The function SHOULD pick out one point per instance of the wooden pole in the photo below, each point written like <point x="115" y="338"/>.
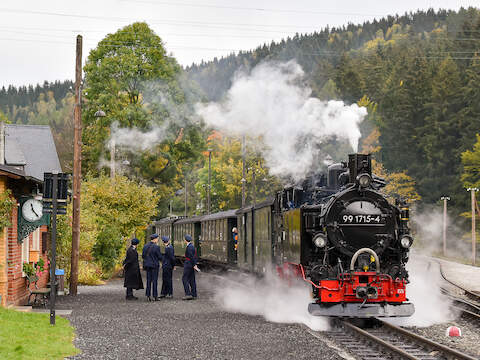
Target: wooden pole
<point x="53" y="258"/>
<point x="77" y="169"/>
<point x="186" y="203"/>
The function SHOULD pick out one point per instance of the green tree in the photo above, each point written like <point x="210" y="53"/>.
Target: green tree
<point x="226" y="175"/>
<point x="113" y="211"/>
<point x="471" y="166"/>
<point x="441" y="141"/>
<point x="117" y="75"/>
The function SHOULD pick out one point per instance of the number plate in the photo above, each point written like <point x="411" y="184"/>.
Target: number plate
<point x="347" y="219"/>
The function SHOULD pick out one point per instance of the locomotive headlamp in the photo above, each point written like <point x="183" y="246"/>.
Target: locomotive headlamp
<point x="320" y="240"/>
<point x="364" y="180"/>
<point x="406" y="241"/>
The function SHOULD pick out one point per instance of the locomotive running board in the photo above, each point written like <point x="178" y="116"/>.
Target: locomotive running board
<point x="365" y="311"/>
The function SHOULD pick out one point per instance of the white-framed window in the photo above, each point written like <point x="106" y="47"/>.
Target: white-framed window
<point x="36" y="239"/>
<point x="25" y="252"/>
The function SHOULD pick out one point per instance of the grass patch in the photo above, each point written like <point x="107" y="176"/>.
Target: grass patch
<point x="30" y="336"/>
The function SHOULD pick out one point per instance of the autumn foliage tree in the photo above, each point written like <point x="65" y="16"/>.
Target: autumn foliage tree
<point x="113" y="211"/>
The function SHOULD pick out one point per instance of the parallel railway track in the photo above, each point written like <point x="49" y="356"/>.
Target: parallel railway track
<point x="468" y="305"/>
<point x="386" y="341"/>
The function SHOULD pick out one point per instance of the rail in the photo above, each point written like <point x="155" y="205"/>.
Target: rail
<point x="402" y="343"/>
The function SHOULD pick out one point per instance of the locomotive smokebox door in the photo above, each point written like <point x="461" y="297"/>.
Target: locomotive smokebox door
<point x="359" y="164"/>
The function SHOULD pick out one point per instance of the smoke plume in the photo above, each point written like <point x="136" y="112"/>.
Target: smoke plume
<point x="428" y="231"/>
<point x="273" y="104"/>
<point x="269" y="297"/>
<point x="424" y="291"/>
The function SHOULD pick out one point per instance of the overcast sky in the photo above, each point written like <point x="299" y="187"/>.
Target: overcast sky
<point x="37" y="38"/>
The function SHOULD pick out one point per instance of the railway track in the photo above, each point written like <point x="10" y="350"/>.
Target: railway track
<point x="386" y="341"/>
<point x="472" y="295"/>
<point x="468" y="304"/>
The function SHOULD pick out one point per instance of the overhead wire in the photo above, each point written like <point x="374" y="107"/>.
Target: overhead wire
<point x="289" y="11"/>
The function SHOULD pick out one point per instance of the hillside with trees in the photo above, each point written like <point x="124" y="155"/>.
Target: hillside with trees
<point x="420" y="73"/>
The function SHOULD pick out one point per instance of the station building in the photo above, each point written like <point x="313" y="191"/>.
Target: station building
<point x="26" y="152"/>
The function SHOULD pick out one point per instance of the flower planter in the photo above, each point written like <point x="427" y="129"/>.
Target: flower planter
<point x="34" y="255"/>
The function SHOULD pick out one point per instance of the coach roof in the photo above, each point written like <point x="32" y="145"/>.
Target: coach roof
<point x="189" y="220"/>
<point x="220" y="215"/>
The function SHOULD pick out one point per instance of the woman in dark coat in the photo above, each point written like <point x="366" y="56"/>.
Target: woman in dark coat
<point x="133" y="278"/>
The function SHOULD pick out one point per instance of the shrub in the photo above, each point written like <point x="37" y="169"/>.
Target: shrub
<point x="89" y="273"/>
<point x="106" y="249"/>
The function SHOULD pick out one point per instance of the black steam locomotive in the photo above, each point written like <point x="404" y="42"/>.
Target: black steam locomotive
<point x="337" y="232"/>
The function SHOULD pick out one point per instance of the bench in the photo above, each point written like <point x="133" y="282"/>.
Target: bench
<point x="40" y="296"/>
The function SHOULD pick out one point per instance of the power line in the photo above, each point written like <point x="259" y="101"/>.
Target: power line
<point x="289" y="11"/>
<point x="153" y="21"/>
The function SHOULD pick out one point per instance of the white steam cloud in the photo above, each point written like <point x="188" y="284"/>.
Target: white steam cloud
<point x="424" y="291"/>
<point x="271" y="103"/>
<point x="135" y="139"/>
<point x="269" y="297"/>
<point x="428" y="227"/>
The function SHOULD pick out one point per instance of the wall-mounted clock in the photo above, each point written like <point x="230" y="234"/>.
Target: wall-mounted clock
<point x="32" y="210"/>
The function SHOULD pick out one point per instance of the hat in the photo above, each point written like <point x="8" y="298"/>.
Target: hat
<point x="188" y="238"/>
<point x="153" y="236"/>
<point x="234" y="229"/>
<point x="135" y="241"/>
<point x="165" y="239"/>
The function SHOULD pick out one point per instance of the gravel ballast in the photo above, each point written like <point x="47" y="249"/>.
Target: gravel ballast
<point x="468" y="342"/>
<point x="109" y="327"/>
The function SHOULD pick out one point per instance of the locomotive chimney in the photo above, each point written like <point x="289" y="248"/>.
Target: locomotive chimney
<point x="359" y="164"/>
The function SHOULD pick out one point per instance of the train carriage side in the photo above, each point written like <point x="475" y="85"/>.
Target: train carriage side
<point x="162" y="227"/>
<point x="182" y="227"/>
<point x="263" y="236"/>
<point x="217" y="238"/>
<point x="245" y="236"/>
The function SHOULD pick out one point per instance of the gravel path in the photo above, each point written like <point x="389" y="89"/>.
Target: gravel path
<point x="108" y="327"/>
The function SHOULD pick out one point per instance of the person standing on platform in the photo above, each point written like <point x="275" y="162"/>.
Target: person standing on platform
<point x="235" y="239"/>
<point x="168" y="264"/>
<point x="189" y="268"/>
<point x="151" y="263"/>
<point x="133" y="278"/>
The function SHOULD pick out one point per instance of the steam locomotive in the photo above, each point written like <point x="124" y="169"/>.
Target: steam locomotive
<point x="337" y="232"/>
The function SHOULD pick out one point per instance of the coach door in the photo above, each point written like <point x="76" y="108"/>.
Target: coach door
<point x="232" y="254"/>
<point x="197" y="236"/>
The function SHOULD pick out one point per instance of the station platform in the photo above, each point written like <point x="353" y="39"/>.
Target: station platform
<point x="466" y="276"/>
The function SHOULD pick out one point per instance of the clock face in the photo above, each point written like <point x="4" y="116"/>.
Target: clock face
<point x="32" y="210"/>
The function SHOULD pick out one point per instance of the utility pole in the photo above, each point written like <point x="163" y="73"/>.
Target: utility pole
<point x="445" y="199"/>
<point x="474" y="235"/>
<point x="77" y="169"/>
<point x="186" y="206"/>
<point x="244" y="180"/>
<point x="209" y="180"/>
<point x="254" y="186"/>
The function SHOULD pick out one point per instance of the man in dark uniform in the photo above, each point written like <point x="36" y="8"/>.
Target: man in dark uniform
<point x="133" y="278"/>
<point x="151" y="263"/>
<point x="189" y="268"/>
<point x="168" y="264"/>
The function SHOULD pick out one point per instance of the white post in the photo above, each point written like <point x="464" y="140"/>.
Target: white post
<point x="474" y="235"/>
<point x="445" y="199"/>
